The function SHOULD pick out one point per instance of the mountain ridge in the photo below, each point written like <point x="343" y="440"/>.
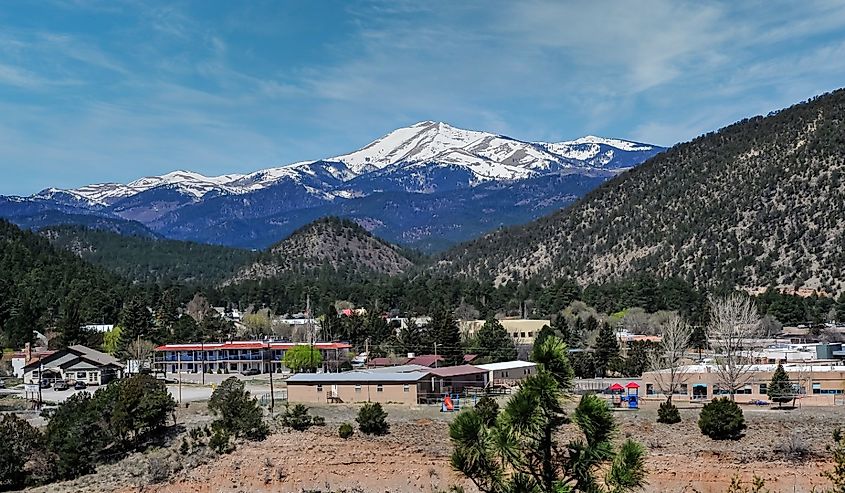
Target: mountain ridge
<point x="759" y="202"/>
<point x="254" y="210"/>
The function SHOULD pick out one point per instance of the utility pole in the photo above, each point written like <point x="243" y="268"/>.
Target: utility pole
<point x="272" y="396"/>
<point x="310" y="332"/>
<point x="202" y="357"/>
<point x="40" y="378"/>
<point x="179" y="372"/>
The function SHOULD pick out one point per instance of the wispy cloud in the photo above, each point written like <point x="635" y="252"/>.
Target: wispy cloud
<point x="109" y="90"/>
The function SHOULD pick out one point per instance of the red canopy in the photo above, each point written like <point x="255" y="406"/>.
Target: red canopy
<point x="616" y="387"/>
<point x="632" y="385"/>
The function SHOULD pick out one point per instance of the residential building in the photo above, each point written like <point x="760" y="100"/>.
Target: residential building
<point x="508" y="373"/>
<point x="74" y="363"/>
<point x="815" y="383"/>
<point x="238" y="356"/>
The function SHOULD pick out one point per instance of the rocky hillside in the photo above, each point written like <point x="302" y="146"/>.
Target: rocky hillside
<point x="330" y="246"/>
<point x="759" y="202"/>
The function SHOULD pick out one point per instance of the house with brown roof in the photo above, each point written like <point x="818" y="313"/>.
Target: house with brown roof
<point x="77" y="363"/>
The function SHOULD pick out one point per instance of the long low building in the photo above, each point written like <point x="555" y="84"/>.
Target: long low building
<point x="406" y="384"/>
<point x="814" y="383"/>
<point x="508" y="373"/>
<point x="237" y="356"/>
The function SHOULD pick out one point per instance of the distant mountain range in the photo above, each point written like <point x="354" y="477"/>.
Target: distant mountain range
<point x="428" y="186"/>
<point x="758" y="203"/>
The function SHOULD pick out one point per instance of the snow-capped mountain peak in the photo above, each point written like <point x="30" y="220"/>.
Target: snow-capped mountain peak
<point x="484" y="156"/>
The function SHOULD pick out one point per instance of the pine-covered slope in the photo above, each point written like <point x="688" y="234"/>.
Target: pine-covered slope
<point x="759" y="202"/>
<point x="38" y="282"/>
<point x="330" y="246"/>
<point x="149" y="259"/>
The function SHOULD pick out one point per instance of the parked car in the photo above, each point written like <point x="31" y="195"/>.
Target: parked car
<point x="45" y="384"/>
<point x="250" y="372"/>
<point x="61" y="385"/>
<point x="80" y="386"/>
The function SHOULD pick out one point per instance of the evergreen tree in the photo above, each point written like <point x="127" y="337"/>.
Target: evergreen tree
<point x="780" y="388"/>
<point x="519" y="451"/>
<point x="606" y="351"/>
<point x="493" y="344"/>
<point x="135" y="322"/>
<point x="410" y="339"/>
<point x="546" y="332"/>
<point x="447" y="335"/>
<point x="70" y="325"/>
<point x="23" y="320"/>
<point x="698" y="339"/>
<point x="576" y="336"/>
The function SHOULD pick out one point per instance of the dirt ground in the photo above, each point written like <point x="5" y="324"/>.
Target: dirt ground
<point x="415" y="455"/>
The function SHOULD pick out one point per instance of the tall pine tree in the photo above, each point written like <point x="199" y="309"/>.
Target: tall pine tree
<point x="447" y="335"/>
<point x="606" y="350"/>
<point x="493" y="344"/>
<point x="136" y="322"/>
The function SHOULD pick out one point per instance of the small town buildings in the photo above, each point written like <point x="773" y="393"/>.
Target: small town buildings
<point x="456" y="379"/>
<point x="407" y="384"/>
<point x="29" y="354"/>
<point x="815" y="383"/>
<point x="429" y="360"/>
<point x="74" y="363"/>
<point x="522" y="331"/>
<point x="508" y="373"/>
<point x="237" y="356"/>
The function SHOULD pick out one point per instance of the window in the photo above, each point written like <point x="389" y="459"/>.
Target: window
<point x="81" y="375"/>
<point x="319" y="388"/>
<point x="649" y="389"/>
<point x="515" y="335"/>
<point x="682" y="389"/>
<point x="522" y="334"/>
<point x="379" y="388"/>
<point x="406" y="387"/>
<point x="530" y="334"/>
<point x="357" y="387"/>
<point x="764" y="388"/>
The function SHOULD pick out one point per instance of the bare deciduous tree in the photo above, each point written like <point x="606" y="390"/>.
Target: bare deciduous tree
<point x="733" y="333"/>
<point x="140" y="351"/>
<point x="667" y="361"/>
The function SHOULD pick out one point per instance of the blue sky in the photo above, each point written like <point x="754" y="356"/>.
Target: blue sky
<point x="95" y="91"/>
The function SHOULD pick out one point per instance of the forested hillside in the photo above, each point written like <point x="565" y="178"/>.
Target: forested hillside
<point x="757" y="203"/>
<point x="149" y="259"/>
<point x="332" y="248"/>
<point x="40" y="284"/>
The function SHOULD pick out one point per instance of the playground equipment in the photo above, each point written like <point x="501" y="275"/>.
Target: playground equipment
<point x="631" y="397"/>
<point x="451" y="403"/>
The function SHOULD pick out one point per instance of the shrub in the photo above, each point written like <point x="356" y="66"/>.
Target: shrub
<point x="668" y="413"/>
<point x="372" y="419"/>
<point x="488" y="410"/>
<point x="220" y="441"/>
<point x="184" y="447"/>
<point x="238" y="412"/>
<point x="318" y="421"/>
<point x="18" y="440"/>
<point x="722" y="419"/>
<point x="345" y="431"/>
<point x="297" y="417"/>
<point x="793" y="448"/>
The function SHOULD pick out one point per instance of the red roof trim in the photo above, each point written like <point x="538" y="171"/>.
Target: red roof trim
<point x="215" y="346"/>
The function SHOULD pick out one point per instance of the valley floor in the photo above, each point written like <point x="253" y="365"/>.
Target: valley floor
<point x="415" y="456"/>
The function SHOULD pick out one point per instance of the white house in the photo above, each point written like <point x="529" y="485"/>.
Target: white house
<point x="508" y="372"/>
